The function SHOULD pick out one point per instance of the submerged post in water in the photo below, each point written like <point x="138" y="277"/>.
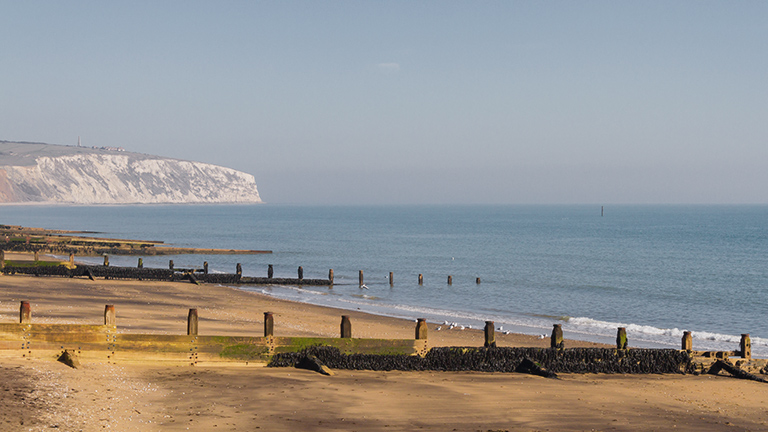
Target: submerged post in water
<point x="301" y="272"/>
<point x="330" y="276"/>
<point x="270" y="271"/>
<point x="421" y="279"/>
<point x="391" y="279"/>
<point x="360" y="276"/>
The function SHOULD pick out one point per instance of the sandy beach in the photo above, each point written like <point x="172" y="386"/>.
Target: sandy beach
<point x="40" y="395"/>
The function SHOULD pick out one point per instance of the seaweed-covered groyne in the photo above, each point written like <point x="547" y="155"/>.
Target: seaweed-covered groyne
<point x="159" y="274"/>
<point x="503" y="359"/>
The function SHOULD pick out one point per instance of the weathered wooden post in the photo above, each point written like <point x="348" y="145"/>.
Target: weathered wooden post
<point x="687" y="341"/>
<point x="330" y="276"/>
<point x="239" y="270"/>
<point x="25" y="313"/>
<point x="270" y="271"/>
<point x="170" y="264"/>
<point x="346" y="327"/>
<point x="301" y="272"/>
<point x="360" y="277"/>
<point x="192" y="323"/>
<point x="106" y="260"/>
<point x="477" y="281"/>
<point x="391" y="279"/>
<point x="37" y="256"/>
<point x="141" y="263"/>
<point x="621" y="338"/>
<point x="490" y="334"/>
<point x="746" y="346"/>
<point x="205" y="268"/>
<point x="421" y="279"/>
<point x="450" y="280"/>
<point x="421" y="328"/>
<point x="109" y="316"/>
<point x="71" y="260"/>
<point x="2" y="259"/>
<point x="269" y="324"/>
<point x="557" y="337"/>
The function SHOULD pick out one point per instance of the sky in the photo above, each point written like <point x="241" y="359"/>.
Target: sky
<point x="408" y="102"/>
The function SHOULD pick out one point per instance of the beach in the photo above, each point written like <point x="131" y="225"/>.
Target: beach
<point x="43" y="394"/>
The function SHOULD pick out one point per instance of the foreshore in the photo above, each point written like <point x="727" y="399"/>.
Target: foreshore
<point x="39" y="394"/>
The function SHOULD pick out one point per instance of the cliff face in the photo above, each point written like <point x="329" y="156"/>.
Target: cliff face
<point x="107" y="177"/>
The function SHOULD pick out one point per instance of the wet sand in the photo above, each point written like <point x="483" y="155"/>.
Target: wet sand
<point x="41" y="395"/>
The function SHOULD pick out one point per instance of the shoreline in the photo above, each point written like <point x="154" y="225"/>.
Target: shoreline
<point x="40" y="394"/>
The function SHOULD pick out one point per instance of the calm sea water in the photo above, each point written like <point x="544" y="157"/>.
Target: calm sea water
<point x="657" y="270"/>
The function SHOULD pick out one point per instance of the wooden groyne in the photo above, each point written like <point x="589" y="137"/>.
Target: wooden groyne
<point x="20" y="239"/>
<point x="157" y="274"/>
<point x="104" y="342"/>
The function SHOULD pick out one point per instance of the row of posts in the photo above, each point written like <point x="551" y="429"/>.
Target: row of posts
<point x="745" y="345"/>
<point x="270" y="271"/>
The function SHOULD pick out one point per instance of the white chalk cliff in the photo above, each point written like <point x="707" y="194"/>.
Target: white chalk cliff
<point x="33" y="172"/>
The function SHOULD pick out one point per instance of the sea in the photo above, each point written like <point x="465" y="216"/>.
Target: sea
<point x="657" y="270"/>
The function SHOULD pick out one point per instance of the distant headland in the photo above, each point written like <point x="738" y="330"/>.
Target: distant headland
<point x="49" y="173"/>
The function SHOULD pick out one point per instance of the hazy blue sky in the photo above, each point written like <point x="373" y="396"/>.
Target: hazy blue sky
<point x="409" y="102"/>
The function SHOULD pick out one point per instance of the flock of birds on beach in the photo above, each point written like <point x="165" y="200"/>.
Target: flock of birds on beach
<point x="453" y="325"/>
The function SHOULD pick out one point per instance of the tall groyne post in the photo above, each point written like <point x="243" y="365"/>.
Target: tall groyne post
<point x="238" y="271"/>
<point x="71" y="260"/>
<point x="37" y="256"/>
<point x="391" y="279"/>
<point x="745" y="346"/>
<point x="109" y="316"/>
<point x="170" y="264"/>
<point x="346" y="327"/>
<point x="25" y="313"/>
<point x="421" y="328"/>
<point x="2" y="259"/>
<point x="557" y="337"/>
<point x="269" y="324"/>
<point x="270" y="271"/>
<point x="330" y="276"/>
<point x="205" y="268"/>
<point x="192" y="323"/>
<point x="450" y="280"/>
<point x="301" y="272"/>
<point x="141" y="263"/>
<point x="490" y="334"/>
<point x="621" y="338"/>
<point x="421" y="279"/>
<point x="106" y="260"/>
<point x="477" y="281"/>
<point x="360" y="278"/>
<point x="687" y="341"/>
